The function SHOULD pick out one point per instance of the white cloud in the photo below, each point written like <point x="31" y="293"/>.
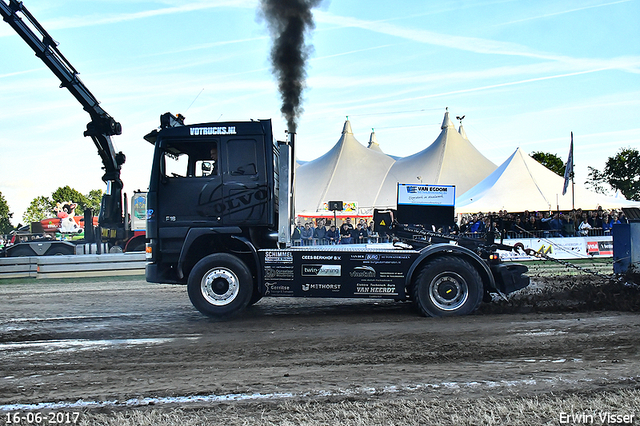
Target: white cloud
<point x="102" y="19"/>
<point x="562" y="12"/>
<point x="470" y="44"/>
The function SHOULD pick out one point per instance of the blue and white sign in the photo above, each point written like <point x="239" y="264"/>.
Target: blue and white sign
<point x="426" y="195"/>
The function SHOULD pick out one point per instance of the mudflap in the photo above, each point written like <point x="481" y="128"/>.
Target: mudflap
<point x="510" y="277"/>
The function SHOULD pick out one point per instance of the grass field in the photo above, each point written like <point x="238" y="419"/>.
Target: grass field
<point x="592" y="408"/>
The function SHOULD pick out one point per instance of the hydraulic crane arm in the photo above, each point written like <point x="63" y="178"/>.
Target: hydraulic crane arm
<point x="101" y="127"/>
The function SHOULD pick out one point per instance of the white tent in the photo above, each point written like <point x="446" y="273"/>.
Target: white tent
<point x="521" y="183"/>
<point x="450" y="160"/>
<point x="349" y="172"/>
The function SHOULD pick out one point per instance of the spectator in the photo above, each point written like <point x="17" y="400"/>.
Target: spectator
<point x="607" y="223"/>
<point x="622" y="218"/>
<point x="555" y="225"/>
<point x="567" y="226"/>
<point x="464" y="225"/>
<point x="585" y="226"/>
<point x="320" y="232"/>
<point x="507" y="222"/>
<point x="545" y="223"/>
<point x="332" y="235"/>
<point x="517" y="227"/>
<point x="306" y="235"/>
<point x="295" y="236"/>
<point x="476" y="225"/>
<point x="373" y="235"/>
<point x="345" y="234"/>
<point x="530" y="226"/>
<point x="617" y="221"/>
<point x="539" y="224"/>
<point x="593" y="220"/>
<point x="362" y="236"/>
<point x="454" y="229"/>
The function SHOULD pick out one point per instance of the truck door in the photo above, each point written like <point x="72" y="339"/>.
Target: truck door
<point x="245" y="190"/>
<point x="191" y="185"/>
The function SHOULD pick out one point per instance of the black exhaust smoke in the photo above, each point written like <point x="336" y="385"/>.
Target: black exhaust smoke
<point x="288" y="21"/>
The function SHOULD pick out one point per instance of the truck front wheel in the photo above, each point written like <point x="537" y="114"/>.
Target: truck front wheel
<point x="447" y="286"/>
<point x="220" y="285"/>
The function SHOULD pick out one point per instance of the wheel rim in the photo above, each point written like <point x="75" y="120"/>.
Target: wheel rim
<point x="220" y="286"/>
<point x="448" y="291"/>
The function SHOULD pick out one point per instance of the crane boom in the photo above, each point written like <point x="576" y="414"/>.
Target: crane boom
<point x="101" y="127"/>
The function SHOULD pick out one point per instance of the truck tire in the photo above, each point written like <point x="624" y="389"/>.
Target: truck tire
<point x="447" y="286"/>
<point x="220" y="285"/>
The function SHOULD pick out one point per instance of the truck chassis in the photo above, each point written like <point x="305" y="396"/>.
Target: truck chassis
<point x="440" y="280"/>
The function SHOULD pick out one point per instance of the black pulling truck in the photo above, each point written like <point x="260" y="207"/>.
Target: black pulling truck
<point x="220" y="210"/>
<point x="219" y="220"/>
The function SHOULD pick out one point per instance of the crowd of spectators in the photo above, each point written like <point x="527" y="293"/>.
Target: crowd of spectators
<point x="323" y="231"/>
<point x="575" y="223"/>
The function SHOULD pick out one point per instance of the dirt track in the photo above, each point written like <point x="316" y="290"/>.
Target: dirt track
<point x="124" y="340"/>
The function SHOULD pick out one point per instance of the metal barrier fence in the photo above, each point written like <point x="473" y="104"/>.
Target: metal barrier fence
<point x="88" y="265"/>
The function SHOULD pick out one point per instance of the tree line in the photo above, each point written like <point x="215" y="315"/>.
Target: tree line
<point x="621" y="173"/>
<point x="42" y="207"/>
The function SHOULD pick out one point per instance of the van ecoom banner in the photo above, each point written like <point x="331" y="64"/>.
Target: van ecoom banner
<point x="426" y="195"/>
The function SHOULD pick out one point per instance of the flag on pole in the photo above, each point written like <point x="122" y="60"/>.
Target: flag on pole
<point x="568" y="170"/>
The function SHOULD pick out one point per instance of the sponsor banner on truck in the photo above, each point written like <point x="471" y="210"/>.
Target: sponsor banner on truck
<point x="331" y="273"/>
<point x="321" y="270"/>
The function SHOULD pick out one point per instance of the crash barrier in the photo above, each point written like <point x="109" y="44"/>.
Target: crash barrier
<point x="89" y="265"/>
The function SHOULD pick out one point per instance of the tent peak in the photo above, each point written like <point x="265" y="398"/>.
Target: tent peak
<point x="373" y="142"/>
<point x="462" y="132"/>
<point x="347" y="127"/>
<point x="447" y="121"/>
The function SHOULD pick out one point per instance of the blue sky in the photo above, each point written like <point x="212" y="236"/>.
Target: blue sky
<point x="524" y="73"/>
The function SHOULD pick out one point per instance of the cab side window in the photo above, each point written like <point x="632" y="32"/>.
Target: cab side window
<point x="242" y="157"/>
<point x="175" y="165"/>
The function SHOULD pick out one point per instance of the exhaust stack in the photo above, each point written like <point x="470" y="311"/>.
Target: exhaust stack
<point x="286" y="197"/>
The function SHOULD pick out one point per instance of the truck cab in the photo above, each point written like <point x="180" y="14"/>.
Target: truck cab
<point x="213" y="188"/>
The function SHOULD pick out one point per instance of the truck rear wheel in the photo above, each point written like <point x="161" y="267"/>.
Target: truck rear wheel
<point x="220" y="285"/>
<point x="447" y="286"/>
